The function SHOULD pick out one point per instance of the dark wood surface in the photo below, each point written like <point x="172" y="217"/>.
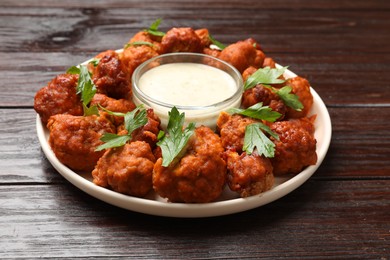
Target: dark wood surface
<point x="341" y="212"/>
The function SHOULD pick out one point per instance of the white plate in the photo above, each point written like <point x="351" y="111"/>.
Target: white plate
<point x="228" y="203"/>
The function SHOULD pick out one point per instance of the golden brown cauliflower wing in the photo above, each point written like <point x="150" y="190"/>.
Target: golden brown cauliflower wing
<point x="301" y="88"/>
<point x="110" y="76"/>
<point x="232" y="130"/>
<point x="242" y="55"/>
<point x="199" y="176"/>
<point x="74" y="139"/>
<point x="248" y="174"/>
<point x="127" y="169"/>
<point x="296" y="147"/>
<point x="58" y="97"/>
<point x="181" y="40"/>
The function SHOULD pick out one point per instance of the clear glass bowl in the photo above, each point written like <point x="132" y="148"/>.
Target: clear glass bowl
<point x="201" y="115"/>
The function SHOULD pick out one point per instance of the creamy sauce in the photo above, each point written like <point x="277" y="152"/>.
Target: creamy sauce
<point x="187" y="84"/>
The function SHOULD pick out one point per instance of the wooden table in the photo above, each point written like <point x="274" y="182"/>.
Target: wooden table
<point x="342" y="211"/>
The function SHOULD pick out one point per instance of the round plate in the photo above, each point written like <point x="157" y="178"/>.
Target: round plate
<point x="228" y="203"/>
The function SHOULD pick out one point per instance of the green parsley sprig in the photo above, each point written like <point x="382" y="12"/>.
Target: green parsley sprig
<point x="132" y="120"/>
<point x="153" y="29"/>
<point x="95" y="62"/>
<point x="220" y="45"/>
<point x="267" y="76"/>
<point x="257" y="111"/>
<point x="174" y="141"/>
<point x="254" y="133"/>
<point x="256" y="139"/>
<point x="85" y="88"/>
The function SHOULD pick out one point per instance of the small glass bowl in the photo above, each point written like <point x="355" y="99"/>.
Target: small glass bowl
<point x="201" y="115"/>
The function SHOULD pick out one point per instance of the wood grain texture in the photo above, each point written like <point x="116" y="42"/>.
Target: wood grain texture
<point x="351" y="223"/>
<point x="342" y="212"/>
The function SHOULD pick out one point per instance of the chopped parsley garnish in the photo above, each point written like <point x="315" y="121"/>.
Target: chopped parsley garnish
<point x="85" y="88"/>
<point x="256" y="139"/>
<point x="95" y="62"/>
<point x="153" y="29"/>
<point x="257" y="111"/>
<point x="174" y="141"/>
<point x="267" y="76"/>
<point x="133" y="120"/>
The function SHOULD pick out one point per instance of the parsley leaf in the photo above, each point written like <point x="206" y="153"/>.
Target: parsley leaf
<point x="89" y="111"/>
<point x="265" y="76"/>
<point x="73" y="70"/>
<point x="95" y="62"/>
<point x="133" y="120"/>
<point x="85" y="85"/>
<point x="256" y="139"/>
<point x="85" y="88"/>
<point x="289" y="99"/>
<point x="217" y="43"/>
<point x="112" y="140"/>
<point x="257" y="111"/>
<point x="173" y="143"/>
<point x="153" y="29"/>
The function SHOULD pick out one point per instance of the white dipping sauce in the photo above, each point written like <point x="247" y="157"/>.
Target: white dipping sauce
<point x="187" y="84"/>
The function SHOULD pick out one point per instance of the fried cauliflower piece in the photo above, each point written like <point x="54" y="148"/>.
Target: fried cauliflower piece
<point x="135" y="55"/>
<point x="242" y="55"/>
<point x="74" y="139"/>
<point x="232" y="130"/>
<point x="269" y="62"/>
<point x="199" y="176"/>
<point x="248" y="174"/>
<point x="127" y="169"/>
<point x="301" y="88"/>
<point x="114" y="105"/>
<point x="144" y="36"/>
<point x="110" y="76"/>
<point x="296" y="147"/>
<point x="181" y="40"/>
<point x="147" y="133"/>
<point x="260" y="93"/>
<point x="204" y="36"/>
<point x="58" y="97"/>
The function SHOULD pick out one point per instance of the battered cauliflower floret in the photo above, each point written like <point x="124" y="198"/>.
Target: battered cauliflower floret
<point x="200" y="174"/>
<point x="127" y="169"/>
<point x="181" y="40"/>
<point x="232" y="130"/>
<point x="148" y="132"/>
<point x="58" y="97"/>
<point x="242" y="55"/>
<point x="248" y="174"/>
<point x="110" y="76"/>
<point x="135" y="55"/>
<point x="204" y="36"/>
<point x="296" y="147"/>
<point x="301" y="88"/>
<point x="269" y="62"/>
<point x="144" y="36"/>
<point x="74" y="139"/>
<point x="114" y="105"/>
<point x="263" y="94"/>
